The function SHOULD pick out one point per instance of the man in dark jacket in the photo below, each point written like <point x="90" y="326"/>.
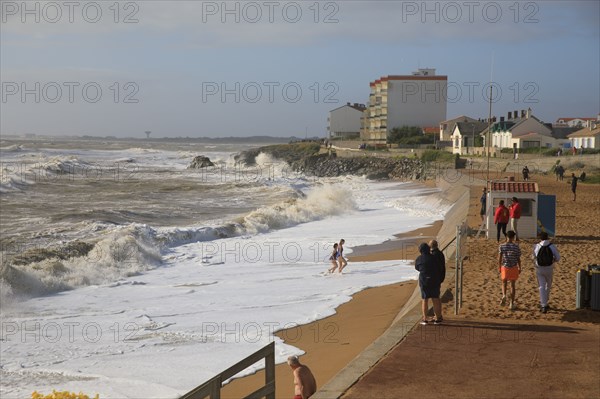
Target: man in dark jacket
<point x="430" y="279"/>
<point x="440" y="259"/>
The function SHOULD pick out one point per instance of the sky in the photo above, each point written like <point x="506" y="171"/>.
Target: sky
<point x="246" y="68"/>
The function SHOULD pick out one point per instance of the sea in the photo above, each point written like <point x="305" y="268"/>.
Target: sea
<point x="126" y="274"/>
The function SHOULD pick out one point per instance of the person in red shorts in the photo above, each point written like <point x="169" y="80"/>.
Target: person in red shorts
<point x="509" y="265"/>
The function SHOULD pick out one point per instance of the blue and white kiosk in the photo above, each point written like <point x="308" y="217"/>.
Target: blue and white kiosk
<point x="538" y="211"/>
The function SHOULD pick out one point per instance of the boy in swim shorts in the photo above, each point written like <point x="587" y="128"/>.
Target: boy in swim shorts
<point x="509" y="266"/>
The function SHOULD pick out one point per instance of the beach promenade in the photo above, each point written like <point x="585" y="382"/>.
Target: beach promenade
<point x="488" y="351"/>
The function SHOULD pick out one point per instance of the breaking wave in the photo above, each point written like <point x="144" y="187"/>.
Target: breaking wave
<point x="124" y="251"/>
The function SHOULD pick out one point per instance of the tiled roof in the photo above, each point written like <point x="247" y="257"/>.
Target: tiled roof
<point x="471" y="127"/>
<point x="586" y="132"/>
<point x="431" y="130"/>
<point x="561" y="132"/>
<point x="515" y="186"/>
<point x="570" y="119"/>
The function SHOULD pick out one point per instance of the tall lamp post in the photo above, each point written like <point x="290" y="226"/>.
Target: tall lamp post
<point x="473" y="137"/>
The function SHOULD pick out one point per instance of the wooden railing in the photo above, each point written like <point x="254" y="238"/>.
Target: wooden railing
<point x="212" y="387"/>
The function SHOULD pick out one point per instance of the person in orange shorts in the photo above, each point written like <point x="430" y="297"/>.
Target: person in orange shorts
<point x="509" y="265"/>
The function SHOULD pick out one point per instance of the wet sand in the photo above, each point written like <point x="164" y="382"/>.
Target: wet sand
<point x="332" y="342"/>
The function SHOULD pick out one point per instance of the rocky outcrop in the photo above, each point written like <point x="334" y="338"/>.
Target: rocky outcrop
<point x="201" y="162"/>
<point x="306" y="159"/>
<point x="371" y="167"/>
<point x="287" y="152"/>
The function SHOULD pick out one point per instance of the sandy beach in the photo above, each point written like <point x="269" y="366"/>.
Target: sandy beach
<point x="577" y="242"/>
<point x="577" y="235"/>
<point x="543" y="355"/>
<point x="356" y="324"/>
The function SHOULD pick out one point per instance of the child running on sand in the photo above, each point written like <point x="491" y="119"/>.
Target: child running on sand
<point x="509" y="266"/>
<point x="333" y="258"/>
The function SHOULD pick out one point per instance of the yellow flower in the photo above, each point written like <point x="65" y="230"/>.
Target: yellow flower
<point x="61" y="395"/>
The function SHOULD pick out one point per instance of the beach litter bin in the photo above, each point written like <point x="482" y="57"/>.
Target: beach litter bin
<point x="594" y="286"/>
<point x="583" y="289"/>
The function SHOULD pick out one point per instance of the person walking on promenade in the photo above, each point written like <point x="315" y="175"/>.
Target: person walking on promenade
<point x="333" y="258"/>
<point x="561" y="172"/>
<point x="341" y="260"/>
<point x="483" y="201"/>
<point x="501" y="219"/>
<point x="515" y="215"/>
<point x="430" y="278"/>
<point x="509" y="265"/>
<point x="526" y="173"/>
<point x="305" y="384"/>
<point x="440" y="260"/>
<point x="545" y="255"/>
<point x="574" y="186"/>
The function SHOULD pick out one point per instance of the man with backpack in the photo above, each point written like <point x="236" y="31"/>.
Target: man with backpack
<point x="545" y="255"/>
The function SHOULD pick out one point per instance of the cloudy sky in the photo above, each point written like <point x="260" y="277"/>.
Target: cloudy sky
<point x="202" y="68"/>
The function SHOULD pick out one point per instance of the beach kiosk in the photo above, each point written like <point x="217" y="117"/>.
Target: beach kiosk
<point x="538" y="211"/>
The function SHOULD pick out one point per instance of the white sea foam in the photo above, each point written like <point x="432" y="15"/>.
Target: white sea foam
<point x="126" y="251"/>
<point x="194" y="298"/>
<point x="13" y="148"/>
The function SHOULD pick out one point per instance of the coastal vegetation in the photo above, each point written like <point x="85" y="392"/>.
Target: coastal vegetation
<point x="409" y="135"/>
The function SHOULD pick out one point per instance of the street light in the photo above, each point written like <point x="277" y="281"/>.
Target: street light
<point x="473" y="137"/>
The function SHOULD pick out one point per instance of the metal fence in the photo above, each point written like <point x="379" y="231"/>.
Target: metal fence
<point x="212" y="387"/>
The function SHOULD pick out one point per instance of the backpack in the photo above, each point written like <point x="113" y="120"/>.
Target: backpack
<point x="545" y="257"/>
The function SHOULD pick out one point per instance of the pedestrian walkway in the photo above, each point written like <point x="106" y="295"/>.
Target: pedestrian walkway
<point x="488" y="359"/>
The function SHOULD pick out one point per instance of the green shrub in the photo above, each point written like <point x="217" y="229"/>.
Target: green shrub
<point x="595" y="179"/>
<point x="437" y="155"/>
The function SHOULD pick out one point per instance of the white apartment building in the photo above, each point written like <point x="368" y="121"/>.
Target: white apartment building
<point x="345" y="121"/>
<point x="404" y="100"/>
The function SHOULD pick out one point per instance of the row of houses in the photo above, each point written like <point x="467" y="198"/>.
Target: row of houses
<point x="418" y="100"/>
<point x="518" y="130"/>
